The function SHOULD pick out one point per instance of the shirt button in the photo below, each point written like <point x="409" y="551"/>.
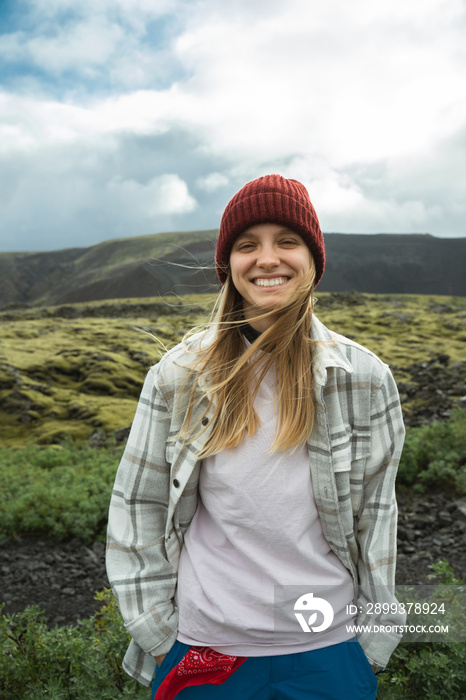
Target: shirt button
<point x="176" y="483"/>
<point x="205" y="421"/>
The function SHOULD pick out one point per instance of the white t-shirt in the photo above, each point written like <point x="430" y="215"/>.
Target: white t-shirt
<point x="255" y="544"/>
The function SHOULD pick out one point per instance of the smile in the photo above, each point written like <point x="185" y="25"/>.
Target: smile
<point x="275" y="282"/>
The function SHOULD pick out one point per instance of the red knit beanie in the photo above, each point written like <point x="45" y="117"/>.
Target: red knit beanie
<point x="270" y="199"/>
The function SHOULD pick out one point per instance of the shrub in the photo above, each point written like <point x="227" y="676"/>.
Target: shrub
<point x="62" y="492"/>
<point x="435" y="455"/>
<point x="427" y="670"/>
<point x="85" y="661"/>
<point x="68" y="662"/>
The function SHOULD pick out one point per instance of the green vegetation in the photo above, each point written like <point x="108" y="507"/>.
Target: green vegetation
<point x="111" y="269"/>
<point x="427" y="670"/>
<point x="85" y="661"/>
<point x="435" y="456"/>
<point x="64" y="491"/>
<point x="399" y="329"/>
<point x="56" y="491"/>
<point x="72" y="371"/>
<point x="67" y="662"/>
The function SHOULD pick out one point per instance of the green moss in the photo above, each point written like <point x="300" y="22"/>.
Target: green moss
<point x="56" y="431"/>
<point x="401" y="330"/>
<point x="71" y="370"/>
<point x="98" y="385"/>
<point x="8" y="378"/>
<point x="81" y="411"/>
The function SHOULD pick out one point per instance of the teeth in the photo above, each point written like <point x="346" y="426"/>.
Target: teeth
<point x="270" y="283"/>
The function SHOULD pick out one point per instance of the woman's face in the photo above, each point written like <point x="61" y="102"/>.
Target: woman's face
<point x="266" y="263"/>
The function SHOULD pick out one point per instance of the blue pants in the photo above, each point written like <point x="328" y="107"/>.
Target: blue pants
<point x="337" y="672"/>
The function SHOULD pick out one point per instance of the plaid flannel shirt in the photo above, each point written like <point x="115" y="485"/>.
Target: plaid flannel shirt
<point x="354" y="450"/>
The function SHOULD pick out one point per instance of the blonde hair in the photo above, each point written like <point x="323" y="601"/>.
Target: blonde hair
<point x="233" y="372"/>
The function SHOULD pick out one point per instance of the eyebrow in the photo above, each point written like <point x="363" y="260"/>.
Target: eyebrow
<point x="252" y="234"/>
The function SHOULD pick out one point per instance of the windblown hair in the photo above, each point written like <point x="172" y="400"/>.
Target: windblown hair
<point x="235" y="371"/>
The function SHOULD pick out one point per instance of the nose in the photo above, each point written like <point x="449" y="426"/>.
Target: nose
<point x="267" y="257"/>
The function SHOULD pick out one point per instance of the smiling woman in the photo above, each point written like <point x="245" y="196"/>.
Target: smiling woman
<point x="259" y="472"/>
<point x="266" y="263"/>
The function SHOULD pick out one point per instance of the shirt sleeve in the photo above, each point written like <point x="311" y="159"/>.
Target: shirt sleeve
<point x="142" y="579"/>
<point x="377" y="527"/>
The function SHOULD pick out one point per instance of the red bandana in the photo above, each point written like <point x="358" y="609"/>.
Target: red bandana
<point x="199" y="665"/>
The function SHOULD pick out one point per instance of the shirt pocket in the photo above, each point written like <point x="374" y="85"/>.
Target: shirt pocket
<point x="349" y="447"/>
<point x="350" y="450"/>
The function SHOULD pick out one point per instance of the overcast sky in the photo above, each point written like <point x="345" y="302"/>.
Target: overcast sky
<point x="122" y="118"/>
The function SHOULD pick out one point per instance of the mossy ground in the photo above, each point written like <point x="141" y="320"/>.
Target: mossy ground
<point x="71" y="376"/>
<point x="400" y="329"/>
<point x="77" y="369"/>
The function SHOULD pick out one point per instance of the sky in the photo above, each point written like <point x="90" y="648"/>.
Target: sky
<point x="121" y="118"/>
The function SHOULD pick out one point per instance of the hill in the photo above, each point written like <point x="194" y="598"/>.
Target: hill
<point x="158" y="264"/>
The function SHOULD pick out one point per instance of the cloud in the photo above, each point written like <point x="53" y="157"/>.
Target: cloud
<point x="124" y="116"/>
<point x="212" y="182"/>
<point x="81" y="191"/>
<point x="343" y="80"/>
<point x="167" y="194"/>
<point x="44" y="13"/>
<point x="111" y="44"/>
<point x="79" y="47"/>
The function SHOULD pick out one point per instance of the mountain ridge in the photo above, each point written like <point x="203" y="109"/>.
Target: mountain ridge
<point x="183" y="263"/>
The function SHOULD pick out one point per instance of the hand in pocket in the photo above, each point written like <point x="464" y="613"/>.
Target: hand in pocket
<point x="159" y="659"/>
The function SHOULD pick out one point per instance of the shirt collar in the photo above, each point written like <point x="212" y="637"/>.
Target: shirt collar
<point x="328" y="351"/>
<point x="250" y="333"/>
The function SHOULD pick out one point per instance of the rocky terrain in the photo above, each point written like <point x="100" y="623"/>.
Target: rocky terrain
<point x="437" y="386"/>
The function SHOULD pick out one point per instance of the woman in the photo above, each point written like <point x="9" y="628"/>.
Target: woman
<point x="258" y="479"/>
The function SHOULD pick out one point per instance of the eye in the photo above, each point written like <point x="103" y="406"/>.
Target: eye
<point x="245" y="245"/>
